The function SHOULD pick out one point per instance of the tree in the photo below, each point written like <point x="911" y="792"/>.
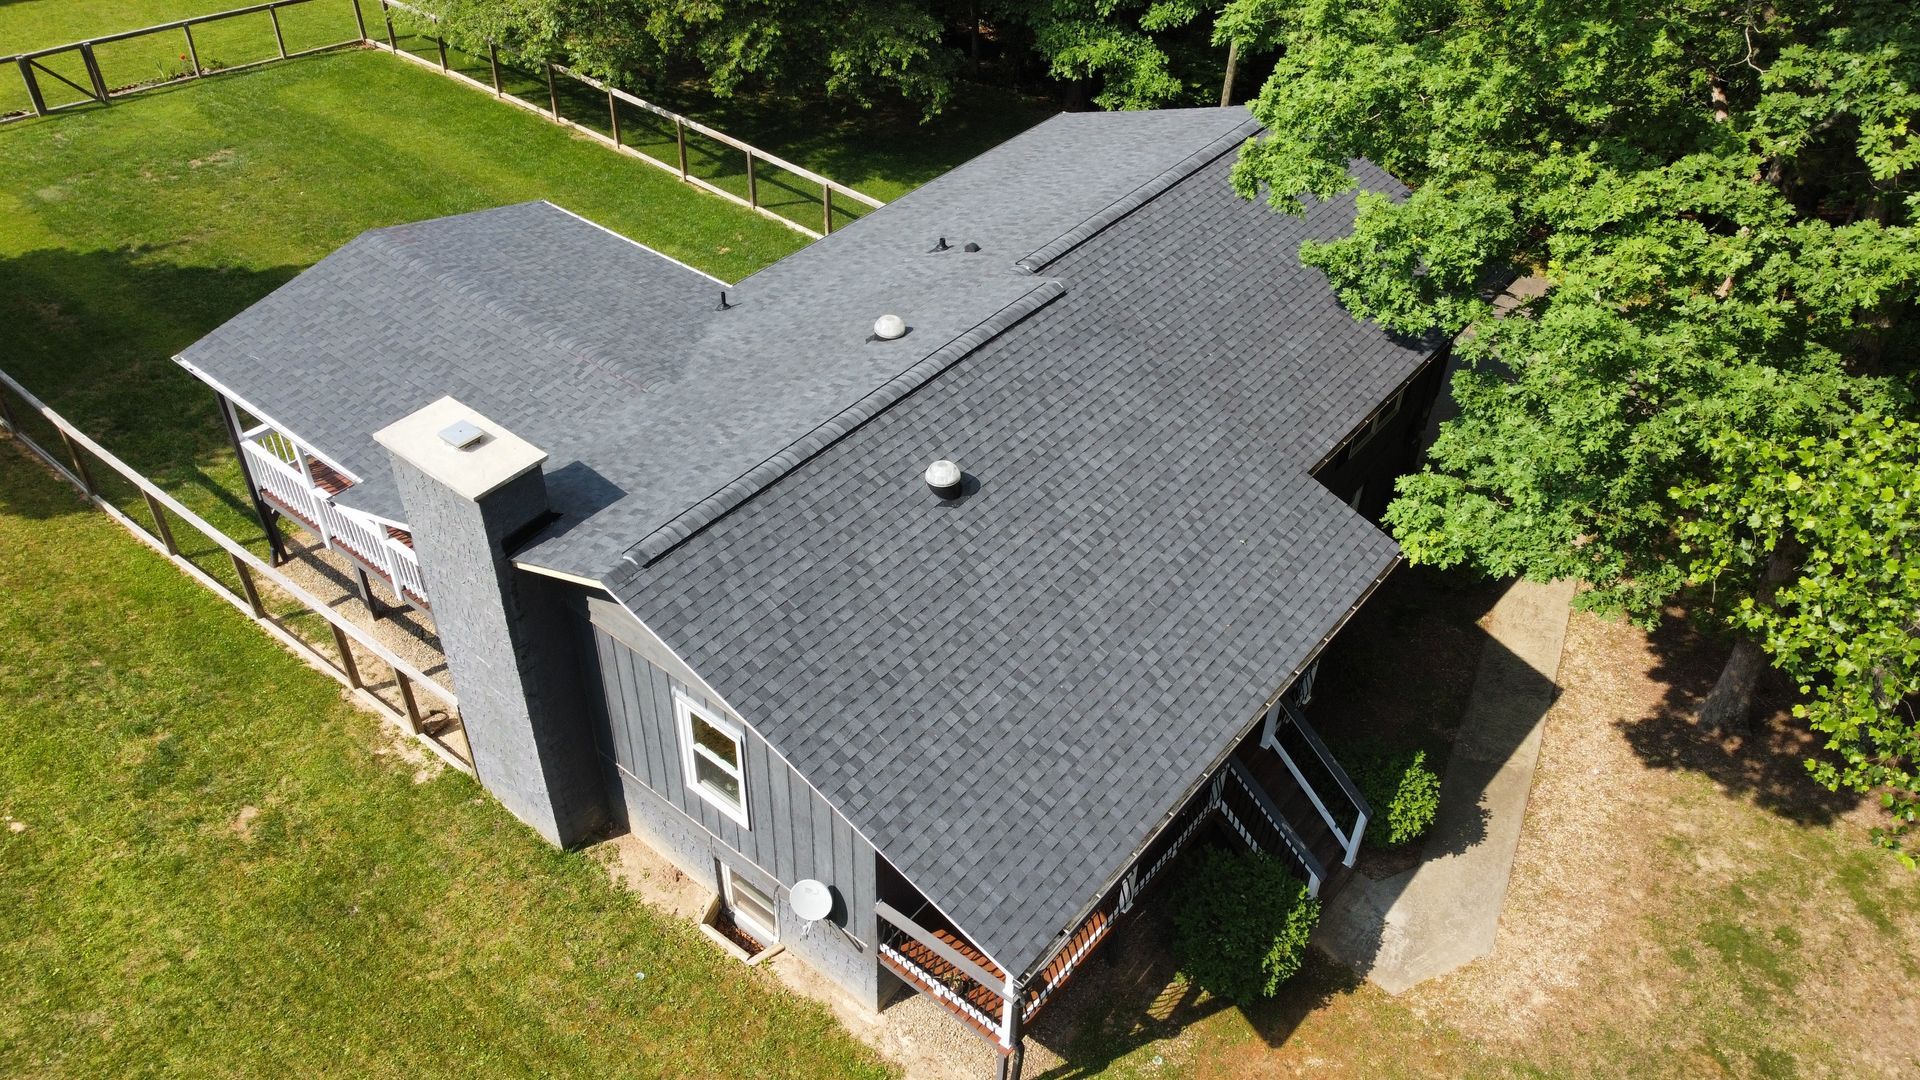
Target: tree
<point x="1123" y="45"/>
<point x="1846" y="626"/>
<point x="1717" y="201"/>
<point x="854" y="49"/>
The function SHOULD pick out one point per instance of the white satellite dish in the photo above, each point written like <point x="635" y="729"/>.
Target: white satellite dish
<point x="811" y="900"/>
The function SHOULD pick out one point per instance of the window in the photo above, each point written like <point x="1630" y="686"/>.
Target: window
<point x="753" y="910"/>
<point x="1377" y="423"/>
<point x="715" y="758"/>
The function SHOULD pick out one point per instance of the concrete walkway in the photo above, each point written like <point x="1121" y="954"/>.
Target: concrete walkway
<point x="1444" y="912"/>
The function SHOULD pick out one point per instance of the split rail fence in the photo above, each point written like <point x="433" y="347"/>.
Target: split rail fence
<point x="99" y="70"/>
<point x="353" y="646"/>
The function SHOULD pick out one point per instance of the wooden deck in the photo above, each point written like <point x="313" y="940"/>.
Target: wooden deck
<point x="930" y="973"/>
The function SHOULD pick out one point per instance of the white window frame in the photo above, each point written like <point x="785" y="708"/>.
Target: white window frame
<point x="684" y="710"/>
<point x="766" y="935"/>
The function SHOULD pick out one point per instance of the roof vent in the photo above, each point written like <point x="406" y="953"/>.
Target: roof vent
<point x="462" y="434"/>
<point x="942" y="245"/>
<point x="889" y="327"/>
<point x="723" y="305"/>
<point x="971" y="246"/>
<point x="944" y="477"/>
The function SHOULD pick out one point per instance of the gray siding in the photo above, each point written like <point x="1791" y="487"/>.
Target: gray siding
<point x="792" y="832"/>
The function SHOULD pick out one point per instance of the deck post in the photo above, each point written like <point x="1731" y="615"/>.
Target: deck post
<point x="193" y="51"/>
<point x="93" y="71"/>
<point x="362" y="585"/>
<point x="553" y="93"/>
<point x="276" y="550"/>
<point x="407" y="698"/>
<point x="493" y="61"/>
<point x="80" y="469"/>
<point x="347" y="664"/>
<point x="279" y="39"/>
<point x="160" y="523"/>
<point x="248" y="588"/>
<point x="359" y="20"/>
<point x="1014" y="1019"/>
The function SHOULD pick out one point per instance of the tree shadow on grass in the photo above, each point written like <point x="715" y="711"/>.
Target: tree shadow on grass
<point x="93" y="334"/>
<point x="1766" y="766"/>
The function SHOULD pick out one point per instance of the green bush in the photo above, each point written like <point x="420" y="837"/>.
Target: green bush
<point x="1405" y="795"/>
<point x="1242" y="924"/>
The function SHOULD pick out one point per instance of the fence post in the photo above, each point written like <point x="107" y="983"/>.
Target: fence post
<point x="247" y="587"/>
<point x="33" y="87"/>
<point x="359" y="20"/>
<point x="613" y="112"/>
<point x="279" y="40"/>
<point x="79" y="463"/>
<point x="6" y="415"/>
<point x="680" y="137"/>
<point x="553" y="95"/>
<point x="753" y="184"/>
<point x="493" y="60"/>
<point x="442" y="42"/>
<point x="160" y="523"/>
<point x="193" y="51"/>
<point x="347" y="664"/>
<point x="93" y="71"/>
<point x="388" y="13"/>
<point x="826" y="208"/>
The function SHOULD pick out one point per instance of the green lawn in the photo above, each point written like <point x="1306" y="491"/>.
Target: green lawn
<point x="353" y="922"/>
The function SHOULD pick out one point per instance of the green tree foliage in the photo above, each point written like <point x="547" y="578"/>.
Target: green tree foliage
<point x="1847" y="625"/>
<point x="1716" y="202"/>
<point x="1404" y="794"/>
<point x="1242" y="924"/>
<point x="854" y="49"/>
<point x="1125" y="46"/>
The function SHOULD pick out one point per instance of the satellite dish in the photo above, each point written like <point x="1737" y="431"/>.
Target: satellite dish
<point x="811" y="900"/>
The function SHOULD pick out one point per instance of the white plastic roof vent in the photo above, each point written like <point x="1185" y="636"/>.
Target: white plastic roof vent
<point x="461" y="434"/>
<point x="944" y="478"/>
<point x="889" y="327"/>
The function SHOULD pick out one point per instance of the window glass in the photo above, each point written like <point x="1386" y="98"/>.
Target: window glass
<point x="751" y="906"/>
<point x="713" y="776"/>
<point x="719" y="742"/>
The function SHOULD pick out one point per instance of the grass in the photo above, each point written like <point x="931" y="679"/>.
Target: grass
<point x="212" y="865"/>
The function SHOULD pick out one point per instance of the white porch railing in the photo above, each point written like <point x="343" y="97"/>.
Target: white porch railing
<point x="282" y="471"/>
<point x="1284" y="720"/>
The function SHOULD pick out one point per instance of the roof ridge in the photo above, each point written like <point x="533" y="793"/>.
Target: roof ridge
<point x="697" y="517"/>
<point x="1133" y="200"/>
<point x="520" y="315"/>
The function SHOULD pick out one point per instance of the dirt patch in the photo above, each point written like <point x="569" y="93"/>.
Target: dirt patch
<point x="223" y="156"/>
<point x="242" y="824"/>
<point x="14" y="826"/>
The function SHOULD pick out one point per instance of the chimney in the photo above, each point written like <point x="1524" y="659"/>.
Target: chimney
<point x="468" y="484"/>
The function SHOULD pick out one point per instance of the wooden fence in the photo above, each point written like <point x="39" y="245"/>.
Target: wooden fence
<point x="78" y="68"/>
<point x="353" y="645"/>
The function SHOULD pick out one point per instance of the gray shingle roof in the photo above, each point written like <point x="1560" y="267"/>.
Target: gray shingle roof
<point x="1005" y="693"/>
<point x="1009" y="692"/>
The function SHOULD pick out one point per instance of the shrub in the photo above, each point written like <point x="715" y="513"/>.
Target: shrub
<point x="1405" y="795"/>
<point x="1242" y="924"/>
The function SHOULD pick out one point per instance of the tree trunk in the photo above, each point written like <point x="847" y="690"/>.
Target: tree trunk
<point x="1226" y="84"/>
<point x="1728" y="705"/>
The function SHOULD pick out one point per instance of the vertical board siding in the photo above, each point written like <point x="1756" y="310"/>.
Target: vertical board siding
<point x="793" y="832"/>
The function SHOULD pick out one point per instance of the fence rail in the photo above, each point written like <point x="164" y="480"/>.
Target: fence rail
<point x="91" y="82"/>
<point x="83" y="454"/>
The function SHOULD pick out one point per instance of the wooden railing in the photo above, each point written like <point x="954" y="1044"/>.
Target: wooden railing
<point x="1288" y="734"/>
<point x="1250" y="812"/>
<point x="290" y="488"/>
<point x="960" y="982"/>
<point x="83" y="456"/>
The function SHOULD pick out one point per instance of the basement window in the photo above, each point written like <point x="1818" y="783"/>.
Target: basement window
<point x="753" y="910"/>
<point x="713" y="750"/>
